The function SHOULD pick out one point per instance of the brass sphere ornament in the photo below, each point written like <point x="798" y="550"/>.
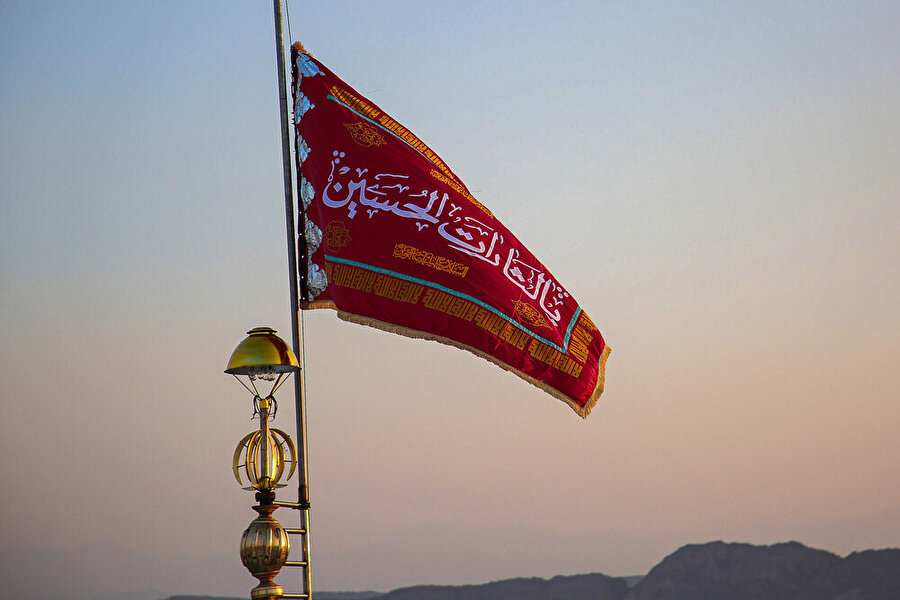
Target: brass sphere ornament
<point x="264" y="455"/>
<point x="264" y="550"/>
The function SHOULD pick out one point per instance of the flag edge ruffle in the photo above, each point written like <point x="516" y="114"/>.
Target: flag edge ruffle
<point x="581" y="411"/>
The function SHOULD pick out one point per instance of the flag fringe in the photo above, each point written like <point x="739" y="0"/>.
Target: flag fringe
<point x="581" y="411"/>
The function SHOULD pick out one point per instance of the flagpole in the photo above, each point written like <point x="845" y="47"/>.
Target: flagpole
<point x="299" y="393"/>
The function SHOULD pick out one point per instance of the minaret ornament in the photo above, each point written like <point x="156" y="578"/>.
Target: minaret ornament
<point x="263" y="456"/>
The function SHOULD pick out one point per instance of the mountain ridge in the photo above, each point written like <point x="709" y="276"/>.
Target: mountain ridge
<point x="710" y="571"/>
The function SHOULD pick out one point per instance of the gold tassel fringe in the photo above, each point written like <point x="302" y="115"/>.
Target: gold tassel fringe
<point x="583" y="412"/>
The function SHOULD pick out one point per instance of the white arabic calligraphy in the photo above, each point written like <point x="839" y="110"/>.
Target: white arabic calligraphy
<point x="383" y="195"/>
<point x="390" y="193"/>
<point x="461" y="239"/>
<point x="533" y="282"/>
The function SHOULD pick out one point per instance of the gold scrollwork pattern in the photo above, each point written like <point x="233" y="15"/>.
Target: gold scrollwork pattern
<point x="423" y="257"/>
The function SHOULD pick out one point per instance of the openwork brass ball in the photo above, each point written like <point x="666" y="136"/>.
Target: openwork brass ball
<point x="264" y="550"/>
<point x="248" y="458"/>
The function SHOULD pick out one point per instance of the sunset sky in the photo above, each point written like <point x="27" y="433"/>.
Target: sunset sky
<point x="716" y="183"/>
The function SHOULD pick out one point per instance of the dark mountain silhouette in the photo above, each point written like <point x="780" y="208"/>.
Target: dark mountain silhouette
<point x="575" y="587"/>
<point x="713" y="571"/>
<point x="791" y="571"/>
<point x="735" y="571"/>
<point x="871" y="574"/>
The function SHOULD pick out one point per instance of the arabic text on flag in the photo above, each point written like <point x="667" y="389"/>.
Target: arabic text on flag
<point x="395" y="240"/>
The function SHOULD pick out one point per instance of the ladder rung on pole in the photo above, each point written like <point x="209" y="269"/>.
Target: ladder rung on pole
<point x="296" y="563"/>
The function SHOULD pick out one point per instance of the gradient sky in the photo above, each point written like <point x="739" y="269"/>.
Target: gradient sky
<point x="717" y="183"/>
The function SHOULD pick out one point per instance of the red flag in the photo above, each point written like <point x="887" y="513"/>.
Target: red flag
<point x="393" y="239"/>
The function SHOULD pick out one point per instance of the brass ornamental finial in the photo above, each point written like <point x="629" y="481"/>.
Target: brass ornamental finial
<point x="264" y="455"/>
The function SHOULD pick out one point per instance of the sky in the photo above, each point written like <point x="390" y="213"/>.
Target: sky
<point x="716" y="183"/>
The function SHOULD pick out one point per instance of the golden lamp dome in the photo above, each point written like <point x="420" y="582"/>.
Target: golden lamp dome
<point x="262" y="354"/>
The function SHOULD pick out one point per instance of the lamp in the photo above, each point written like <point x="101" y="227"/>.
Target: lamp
<point x="264" y="454"/>
<point x="262" y="356"/>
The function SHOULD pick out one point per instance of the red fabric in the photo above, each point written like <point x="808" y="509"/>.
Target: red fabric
<point x="405" y="247"/>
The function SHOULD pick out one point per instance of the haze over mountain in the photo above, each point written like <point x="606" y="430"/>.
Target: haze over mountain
<point x="711" y="571"/>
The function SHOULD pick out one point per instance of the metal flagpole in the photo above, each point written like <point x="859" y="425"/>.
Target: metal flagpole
<point x="302" y="503"/>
